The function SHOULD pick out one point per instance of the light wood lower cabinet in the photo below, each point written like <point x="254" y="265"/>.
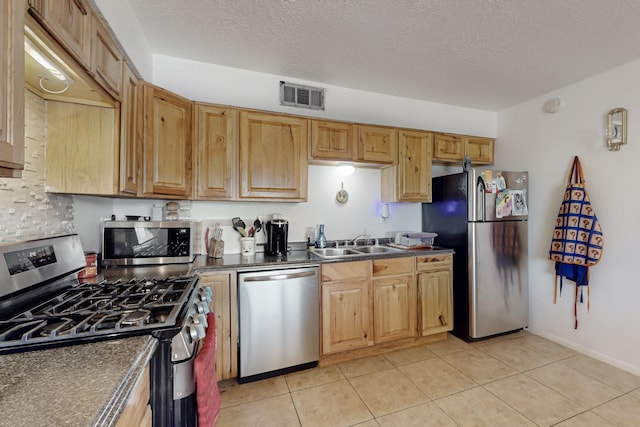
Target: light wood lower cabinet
<point x="137" y="412"/>
<point x="394" y="299"/>
<point x="368" y="306"/>
<point x="346" y="306"/>
<point x="435" y="293"/>
<point x="224" y="306"/>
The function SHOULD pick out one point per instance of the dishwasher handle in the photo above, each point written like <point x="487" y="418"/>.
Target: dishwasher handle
<point x="279" y="276"/>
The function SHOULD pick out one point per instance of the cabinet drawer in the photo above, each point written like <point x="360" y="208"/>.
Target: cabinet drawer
<point x="392" y="266"/>
<point x="434" y="262"/>
<point x="342" y="271"/>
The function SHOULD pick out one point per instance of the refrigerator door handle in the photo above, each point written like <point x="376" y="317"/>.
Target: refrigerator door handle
<point x="481" y="210"/>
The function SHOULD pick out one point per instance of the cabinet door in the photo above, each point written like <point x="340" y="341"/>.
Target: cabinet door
<point x="377" y="144"/>
<point x="394" y="308"/>
<point x="106" y="59"/>
<point x="273" y="157"/>
<point x="410" y="179"/>
<point x="435" y="302"/>
<point x="479" y="149"/>
<point x="12" y="87"/>
<point x="69" y="22"/>
<point x="73" y="165"/>
<point x="216" y="141"/>
<point x="333" y="140"/>
<point x="448" y="148"/>
<point x="130" y="133"/>
<point x="136" y="409"/>
<point x="224" y="305"/>
<point x="346" y="323"/>
<point x="167" y="143"/>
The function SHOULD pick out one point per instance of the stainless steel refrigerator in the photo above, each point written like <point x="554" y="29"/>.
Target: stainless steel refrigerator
<point x="482" y="214"/>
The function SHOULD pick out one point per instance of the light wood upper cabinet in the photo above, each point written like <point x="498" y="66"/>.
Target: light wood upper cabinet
<point x="333" y="140"/>
<point x="224" y="305"/>
<point x="12" y="87"/>
<point x="377" y="144"/>
<point x="450" y="148"/>
<point x="216" y="148"/>
<point x="167" y="144"/>
<point x="435" y="293"/>
<point x="106" y="59"/>
<point x="130" y="133"/>
<point x="69" y="21"/>
<point x="479" y="149"/>
<point x="394" y="299"/>
<point x="410" y="179"/>
<point x="346" y="306"/>
<point x="273" y="157"/>
<point x="82" y="152"/>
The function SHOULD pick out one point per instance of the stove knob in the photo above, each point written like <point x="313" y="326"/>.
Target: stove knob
<point x="203" y="319"/>
<point x="208" y="293"/>
<point x="201" y="330"/>
<point x="202" y="307"/>
<point x="193" y="332"/>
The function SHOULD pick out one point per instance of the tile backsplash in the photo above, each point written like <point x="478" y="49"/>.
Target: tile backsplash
<point x="26" y="211"/>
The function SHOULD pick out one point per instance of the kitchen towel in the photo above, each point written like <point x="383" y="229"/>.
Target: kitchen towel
<point x="577" y="241"/>
<point x="207" y="393"/>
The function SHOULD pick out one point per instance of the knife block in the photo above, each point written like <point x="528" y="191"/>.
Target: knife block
<point x="216" y="248"/>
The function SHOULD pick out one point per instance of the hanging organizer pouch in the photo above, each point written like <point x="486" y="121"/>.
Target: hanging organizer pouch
<point x="577" y="242"/>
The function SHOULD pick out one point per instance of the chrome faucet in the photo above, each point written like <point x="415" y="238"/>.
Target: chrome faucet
<point x="353" y="241"/>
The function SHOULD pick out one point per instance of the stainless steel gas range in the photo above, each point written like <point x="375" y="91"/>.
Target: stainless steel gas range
<point x="43" y="305"/>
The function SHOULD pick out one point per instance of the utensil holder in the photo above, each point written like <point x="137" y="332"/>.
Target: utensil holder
<point x="248" y="246"/>
<point x="216" y="248"/>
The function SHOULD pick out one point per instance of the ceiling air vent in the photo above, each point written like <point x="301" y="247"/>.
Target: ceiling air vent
<point x="301" y="96"/>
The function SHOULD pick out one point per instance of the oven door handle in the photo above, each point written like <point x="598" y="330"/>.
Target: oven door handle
<point x="279" y="276"/>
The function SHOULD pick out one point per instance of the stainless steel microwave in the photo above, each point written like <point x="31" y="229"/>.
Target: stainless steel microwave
<point x="147" y="242"/>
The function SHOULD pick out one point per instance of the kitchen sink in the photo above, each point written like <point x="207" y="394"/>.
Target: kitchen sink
<point x="353" y="251"/>
<point x="376" y="249"/>
<point x="334" y="252"/>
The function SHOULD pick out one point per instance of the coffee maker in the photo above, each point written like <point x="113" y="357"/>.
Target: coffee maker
<point x="277" y="237"/>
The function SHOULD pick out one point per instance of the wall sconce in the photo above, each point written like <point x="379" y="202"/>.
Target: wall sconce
<point x="384" y="210"/>
<point x="616" y="132"/>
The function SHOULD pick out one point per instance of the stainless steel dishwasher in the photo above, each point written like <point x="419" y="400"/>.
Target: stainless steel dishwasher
<point x="279" y="321"/>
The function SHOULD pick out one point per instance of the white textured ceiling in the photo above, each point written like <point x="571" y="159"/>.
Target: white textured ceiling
<point x="486" y="54"/>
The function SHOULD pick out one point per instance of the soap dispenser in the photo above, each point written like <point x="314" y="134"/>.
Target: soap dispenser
<point x="321" y="242"/>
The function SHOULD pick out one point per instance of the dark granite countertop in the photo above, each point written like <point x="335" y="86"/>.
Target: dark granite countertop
<point x="79" y="385"/>
<point x="297" y="256"/>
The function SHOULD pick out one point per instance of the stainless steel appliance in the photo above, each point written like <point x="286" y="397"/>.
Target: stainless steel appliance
<point x="43" y="305"/>
<point x="147" y="242"/>
<point x="277" y="237"/>
<point x="279" y="321"/>
<point x="482" y="215"/>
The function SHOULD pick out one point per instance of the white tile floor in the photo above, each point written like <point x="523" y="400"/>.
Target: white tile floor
<point x="514" y="380"/>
